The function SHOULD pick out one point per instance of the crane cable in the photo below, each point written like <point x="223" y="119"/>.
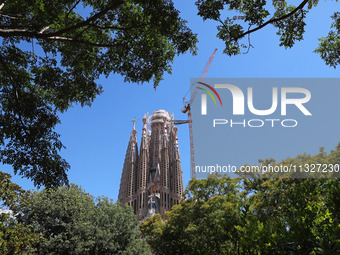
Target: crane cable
<point x="189" y="90"/>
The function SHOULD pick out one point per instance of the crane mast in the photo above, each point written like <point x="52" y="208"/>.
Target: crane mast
<point x="188" y="110"/>
<point x="202" y="77"/>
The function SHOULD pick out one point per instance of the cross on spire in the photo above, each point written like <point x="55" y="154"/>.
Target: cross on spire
<point x="134" y="120"/>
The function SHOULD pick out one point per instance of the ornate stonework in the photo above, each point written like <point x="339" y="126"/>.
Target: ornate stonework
<point x="152" y="181"/>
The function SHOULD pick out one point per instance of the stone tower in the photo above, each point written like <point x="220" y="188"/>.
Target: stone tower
<point x="151" y="180"/>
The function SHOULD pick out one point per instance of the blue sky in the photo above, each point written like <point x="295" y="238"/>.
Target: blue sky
<point x="96" y="137"/>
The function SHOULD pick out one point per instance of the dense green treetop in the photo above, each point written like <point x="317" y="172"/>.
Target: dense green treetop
<point x="267" y="216"/>
<point x="70" y="221"/>
<point x="15" y="238"/>
<point x="248" y="215"/>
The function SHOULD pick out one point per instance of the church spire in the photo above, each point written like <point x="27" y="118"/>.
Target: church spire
<point x="128" y="179"/>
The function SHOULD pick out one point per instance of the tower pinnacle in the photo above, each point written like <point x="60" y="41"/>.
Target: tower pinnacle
<point x="134" y="120"/>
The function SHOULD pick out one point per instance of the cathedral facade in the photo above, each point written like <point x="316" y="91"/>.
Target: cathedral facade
<point x="151" y="180"/>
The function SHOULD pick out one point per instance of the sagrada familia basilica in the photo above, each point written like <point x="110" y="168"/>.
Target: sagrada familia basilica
<point x="151" y="180"/>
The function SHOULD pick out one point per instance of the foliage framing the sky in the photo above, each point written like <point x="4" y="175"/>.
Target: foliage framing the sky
<point x="251" y="16"/>
<point x="52" y="55"/>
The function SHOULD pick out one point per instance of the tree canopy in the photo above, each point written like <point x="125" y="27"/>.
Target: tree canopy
<point x="238" y="19"/>
<point x="266" y="216"/>
<point x="15" y="238"/>
<point x="69" y="221"/>
<point x="249" y="215"/>
<point x="51" y="56"/>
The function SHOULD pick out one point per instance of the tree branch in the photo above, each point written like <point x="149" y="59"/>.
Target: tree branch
<point x="223" y="24"/>
<point x="7" y="16"/>
<point x="2" y="5"/>
<point x="48" y="36"/>
<point x="74" y="6"/>
<point x="273" y="20"/>
<point x="82" y="31"/>
<point x="16" y="97"/>
<point x="85" y="22"/>
<point x="76" y="41"/>
<point x="249" y="44"/>
<point x="44" y="29"/>
<point x="20" y="32"/>
<point x="111" y="27"/>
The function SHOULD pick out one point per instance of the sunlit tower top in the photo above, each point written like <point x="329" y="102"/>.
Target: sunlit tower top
<point x="151" y="180"/>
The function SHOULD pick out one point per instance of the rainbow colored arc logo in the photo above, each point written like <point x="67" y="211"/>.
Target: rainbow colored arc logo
<point x="209" y="93"/>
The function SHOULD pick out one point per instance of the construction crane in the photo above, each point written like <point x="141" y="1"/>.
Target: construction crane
<point x="187" y="109"/>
